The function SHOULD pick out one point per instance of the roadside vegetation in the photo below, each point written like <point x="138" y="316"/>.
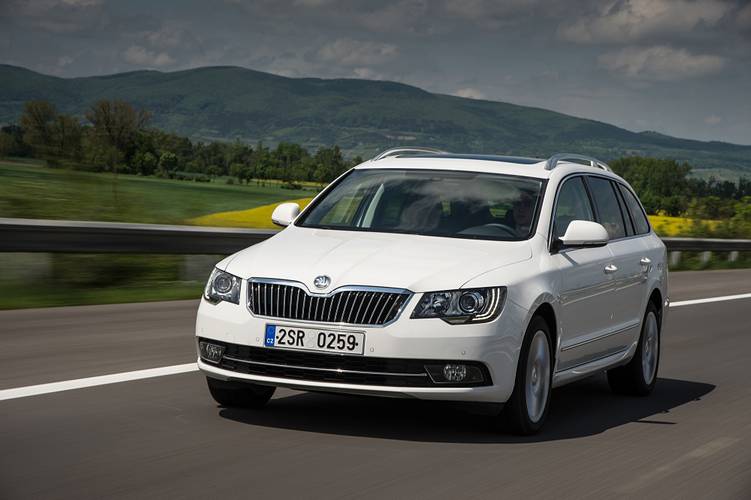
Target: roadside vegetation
<point x="113" y="167"/>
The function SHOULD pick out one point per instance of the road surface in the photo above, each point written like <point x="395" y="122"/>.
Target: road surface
<point x="164" y="437"/>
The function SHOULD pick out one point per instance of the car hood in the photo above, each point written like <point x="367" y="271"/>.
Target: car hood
<point x="417" y="263"/>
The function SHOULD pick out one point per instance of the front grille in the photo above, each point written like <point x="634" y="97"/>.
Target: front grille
<point x="354" y="307"/>
<point x="319" y="367"/>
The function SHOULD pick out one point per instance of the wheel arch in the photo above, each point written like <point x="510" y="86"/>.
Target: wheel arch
<point x="655" y="298"/>
<point x="546" y="312"/>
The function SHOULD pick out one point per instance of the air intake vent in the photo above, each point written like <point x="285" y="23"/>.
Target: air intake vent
<point x="350" y="305"/>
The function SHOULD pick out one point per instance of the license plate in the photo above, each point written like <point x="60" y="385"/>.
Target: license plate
<point x="310" y="339"/>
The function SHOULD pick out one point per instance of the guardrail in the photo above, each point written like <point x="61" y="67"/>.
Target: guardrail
<point x="33" y="235"/>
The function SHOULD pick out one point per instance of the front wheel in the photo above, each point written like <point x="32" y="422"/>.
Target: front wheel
<point x="639" y="376"/>
<point x="239" y="394"/>
<point x="527" y="408"/>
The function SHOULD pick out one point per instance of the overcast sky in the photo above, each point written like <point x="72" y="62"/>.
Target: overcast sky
<point x="680" y="67"/>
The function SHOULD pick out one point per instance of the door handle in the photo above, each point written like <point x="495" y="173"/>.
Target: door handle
<point x="610" y="269"/>
<point x="645" y="261"/>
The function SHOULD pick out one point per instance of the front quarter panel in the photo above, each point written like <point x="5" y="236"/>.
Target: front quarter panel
<point x="529" y="285"/>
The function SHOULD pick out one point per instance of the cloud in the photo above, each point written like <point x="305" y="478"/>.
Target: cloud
<point x="82" y="3"/>
<point x="489" y="14"/>
<point x="368" y="74"/>
<point x="142" y="57"/>
<point x="660" y="63"/>
<point x="470" y="93"/>
<point x="56" y="16"/>
<point x="713" y="120"/>
<point x="64" y="61"/>
<point x="634" y="20"/>
<point x="312" y="3"/>
<point x="350" y="52"/>
<point x="167" y="36"/>
<point x="743" y="17"/>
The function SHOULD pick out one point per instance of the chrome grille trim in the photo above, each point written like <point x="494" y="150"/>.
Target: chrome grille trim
<point x="350" y="305"/>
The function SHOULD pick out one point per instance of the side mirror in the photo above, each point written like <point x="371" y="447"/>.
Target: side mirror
<point x="285" y="213"/>
<point x="584" y="233"/>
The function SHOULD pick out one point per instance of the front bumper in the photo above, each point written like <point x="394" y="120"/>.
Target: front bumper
<point x="400" y="348"/>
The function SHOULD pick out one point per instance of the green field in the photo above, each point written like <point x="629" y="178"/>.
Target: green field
<point x="30" y="190"/>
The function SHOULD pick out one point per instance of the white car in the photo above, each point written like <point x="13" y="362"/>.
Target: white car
<point x="430" y="275"/>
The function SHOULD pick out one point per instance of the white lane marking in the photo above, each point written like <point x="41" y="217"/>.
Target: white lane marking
<point x="67" y="385"/>
<point x="710" y="299"/>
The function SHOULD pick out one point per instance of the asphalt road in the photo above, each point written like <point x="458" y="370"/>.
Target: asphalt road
<point x="164" y="437"/>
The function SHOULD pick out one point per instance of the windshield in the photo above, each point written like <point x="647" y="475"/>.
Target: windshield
<point x="430" y="202"/>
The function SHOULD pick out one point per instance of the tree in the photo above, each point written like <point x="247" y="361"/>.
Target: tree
<point x="329" y="164"/>
<point x="38" y="122"/>
<point x="145" y="163"/>
<point x="214" y="171"/>
<point x="66" y="137"/>
<point x="12" y="143"/>
<point x="660" y="183"/>
<point x="167" y="164"/>
<point x="116" y="124"/>
<point x="238" y="170"/>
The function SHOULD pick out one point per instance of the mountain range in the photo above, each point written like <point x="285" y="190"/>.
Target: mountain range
<point x="361" y="116"/>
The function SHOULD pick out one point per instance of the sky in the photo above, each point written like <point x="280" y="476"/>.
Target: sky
<point x="679" y="67"/>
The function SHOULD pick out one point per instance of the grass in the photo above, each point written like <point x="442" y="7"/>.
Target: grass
<point x="258" y="217"/>
<point x="665" y="225"/>
<point x="29" y="190"/>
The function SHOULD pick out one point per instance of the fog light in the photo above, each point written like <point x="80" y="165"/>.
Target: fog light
<point x="211" y="352"/>
<point x="455" y="373"/>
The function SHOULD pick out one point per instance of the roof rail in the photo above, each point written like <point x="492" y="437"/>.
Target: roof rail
<point x="593" y="162"/>
<point x="399" y="151"/>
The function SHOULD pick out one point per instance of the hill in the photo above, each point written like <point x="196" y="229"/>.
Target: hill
<point x="361" y="116"/>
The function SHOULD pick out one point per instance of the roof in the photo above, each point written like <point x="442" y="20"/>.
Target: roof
<point x="423" y="158"/>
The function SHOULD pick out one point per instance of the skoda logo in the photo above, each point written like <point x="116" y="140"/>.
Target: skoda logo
<point x="322" y="281"/>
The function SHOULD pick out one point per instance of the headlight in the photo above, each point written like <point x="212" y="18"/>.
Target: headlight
<point x="474" y="305"/>
<point x="222" y="286"/>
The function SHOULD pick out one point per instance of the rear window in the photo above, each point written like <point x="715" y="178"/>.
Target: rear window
<point x="641" y="224"/>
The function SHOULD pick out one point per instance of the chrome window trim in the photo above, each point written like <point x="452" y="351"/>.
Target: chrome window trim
<point x="344" y="288"/>
<point x="591" y="201"/>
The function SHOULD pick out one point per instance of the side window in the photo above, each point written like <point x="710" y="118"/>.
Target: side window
<point x="641" y="224"/>
<point x="607" y="206"/>
<point x="573" y="204"/>
<point x="624" y="211"/>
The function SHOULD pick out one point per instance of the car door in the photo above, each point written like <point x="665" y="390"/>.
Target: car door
<point x="640" y="255"/>
<point x="584" y="288"/>
<point x="624" y="268"/>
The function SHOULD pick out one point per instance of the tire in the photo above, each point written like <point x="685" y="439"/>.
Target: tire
<point x="239" y="394"/>
<point x="639" y="376"/>
<point x="526" y="410"/>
